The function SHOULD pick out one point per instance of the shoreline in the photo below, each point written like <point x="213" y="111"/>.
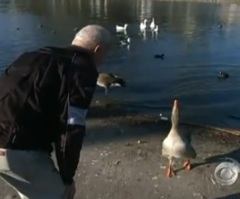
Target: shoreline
<point x="108" y="109"/>
<point x="121" y="158"/>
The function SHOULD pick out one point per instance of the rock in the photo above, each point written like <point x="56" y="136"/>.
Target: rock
<point x="154" y="178"/>
<point x="9" y="196"/>
<point x="128" y="144"/>
<point x="163" y="167"/>
<point x="141" y="141"/>
<point x="199" y="195"/>
<point x="117" y="162"/>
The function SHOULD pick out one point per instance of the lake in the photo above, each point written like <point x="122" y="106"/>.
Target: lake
<point x="198" y="39"/>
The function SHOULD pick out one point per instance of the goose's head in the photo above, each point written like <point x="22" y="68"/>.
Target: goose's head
<point x="128" y="39"/>
<point x="145" y="21"/>
<point x="175" y="113"/>
<point x="125" y="25"/>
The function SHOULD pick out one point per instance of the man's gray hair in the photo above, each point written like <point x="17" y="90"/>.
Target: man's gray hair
<point x="92" y="35"/>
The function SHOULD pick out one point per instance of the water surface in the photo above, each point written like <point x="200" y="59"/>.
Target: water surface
<point x="195" y="49"/>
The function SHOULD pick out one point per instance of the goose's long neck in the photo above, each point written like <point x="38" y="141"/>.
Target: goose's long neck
<point x="175" y="116"/>
<point x="175" y="125"/>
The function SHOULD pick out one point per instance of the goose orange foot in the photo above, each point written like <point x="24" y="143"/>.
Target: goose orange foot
<point x="187" y="165"/>
<point x="170" y="172"/>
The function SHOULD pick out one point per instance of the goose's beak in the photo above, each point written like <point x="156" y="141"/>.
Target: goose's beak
<point x="176" y="104"/>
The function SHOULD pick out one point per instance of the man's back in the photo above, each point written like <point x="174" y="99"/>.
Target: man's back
<point x="17" y="95"/>
<point x="33" y="101"/>
<point x="49" y="104"/>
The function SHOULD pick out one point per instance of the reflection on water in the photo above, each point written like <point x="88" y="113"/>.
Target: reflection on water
<point x="197" y="38"/>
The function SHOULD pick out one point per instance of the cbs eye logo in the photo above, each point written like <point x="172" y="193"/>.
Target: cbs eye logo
<point x="226" y="173"/>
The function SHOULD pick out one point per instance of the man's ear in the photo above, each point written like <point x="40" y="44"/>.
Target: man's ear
<point x="97" y="49"/>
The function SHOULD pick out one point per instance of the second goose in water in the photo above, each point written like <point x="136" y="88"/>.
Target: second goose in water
<point x="107" y="80"/>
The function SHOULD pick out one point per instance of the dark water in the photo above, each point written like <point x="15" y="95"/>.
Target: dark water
<point x="195" y="48"/>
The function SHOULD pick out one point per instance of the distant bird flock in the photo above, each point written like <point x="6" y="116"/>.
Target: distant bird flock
<point x="107" y="80"/>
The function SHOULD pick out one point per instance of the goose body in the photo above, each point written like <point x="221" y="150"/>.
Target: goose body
<point x="121" y="28"/>
<point x="152" y="25"/>
<point x="143" y="25"/>
<point x="107" y="80"/>
<point x="177" y="144"/>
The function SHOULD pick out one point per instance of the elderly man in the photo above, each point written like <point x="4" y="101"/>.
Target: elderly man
<point x="44" y="99"/>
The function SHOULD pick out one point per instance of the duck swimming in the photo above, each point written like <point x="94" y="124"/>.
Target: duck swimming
<point x="222" y="75"/>
<point x="177" y="144"/>
<point x="107" y="80"/>
<point x="159" y="56"/>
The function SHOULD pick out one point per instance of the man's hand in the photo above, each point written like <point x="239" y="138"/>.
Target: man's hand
<point x="69" y="191"/>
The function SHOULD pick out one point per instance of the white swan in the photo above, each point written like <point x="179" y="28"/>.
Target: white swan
<point x="143" y="24"/>
<point x="152" y="25"/>
<point x="156" y="29"/>
<point x="121" y="28"/>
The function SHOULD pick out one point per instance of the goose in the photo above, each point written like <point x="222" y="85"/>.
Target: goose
<point x="121" y="28"/>
<point x="107" y="80"/>
<point x="177" y="144"/>
<point x="143" y="25"/>
<point x="222" y="75"/>
<point x="152" y="25"/>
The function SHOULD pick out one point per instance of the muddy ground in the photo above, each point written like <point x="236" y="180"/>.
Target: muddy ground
<point x="121" y="159"/>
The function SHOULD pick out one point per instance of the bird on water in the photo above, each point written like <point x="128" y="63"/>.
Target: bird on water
<point x="107" y="80"/>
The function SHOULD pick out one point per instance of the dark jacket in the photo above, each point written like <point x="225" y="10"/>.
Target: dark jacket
<point x="44" y="98"/>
